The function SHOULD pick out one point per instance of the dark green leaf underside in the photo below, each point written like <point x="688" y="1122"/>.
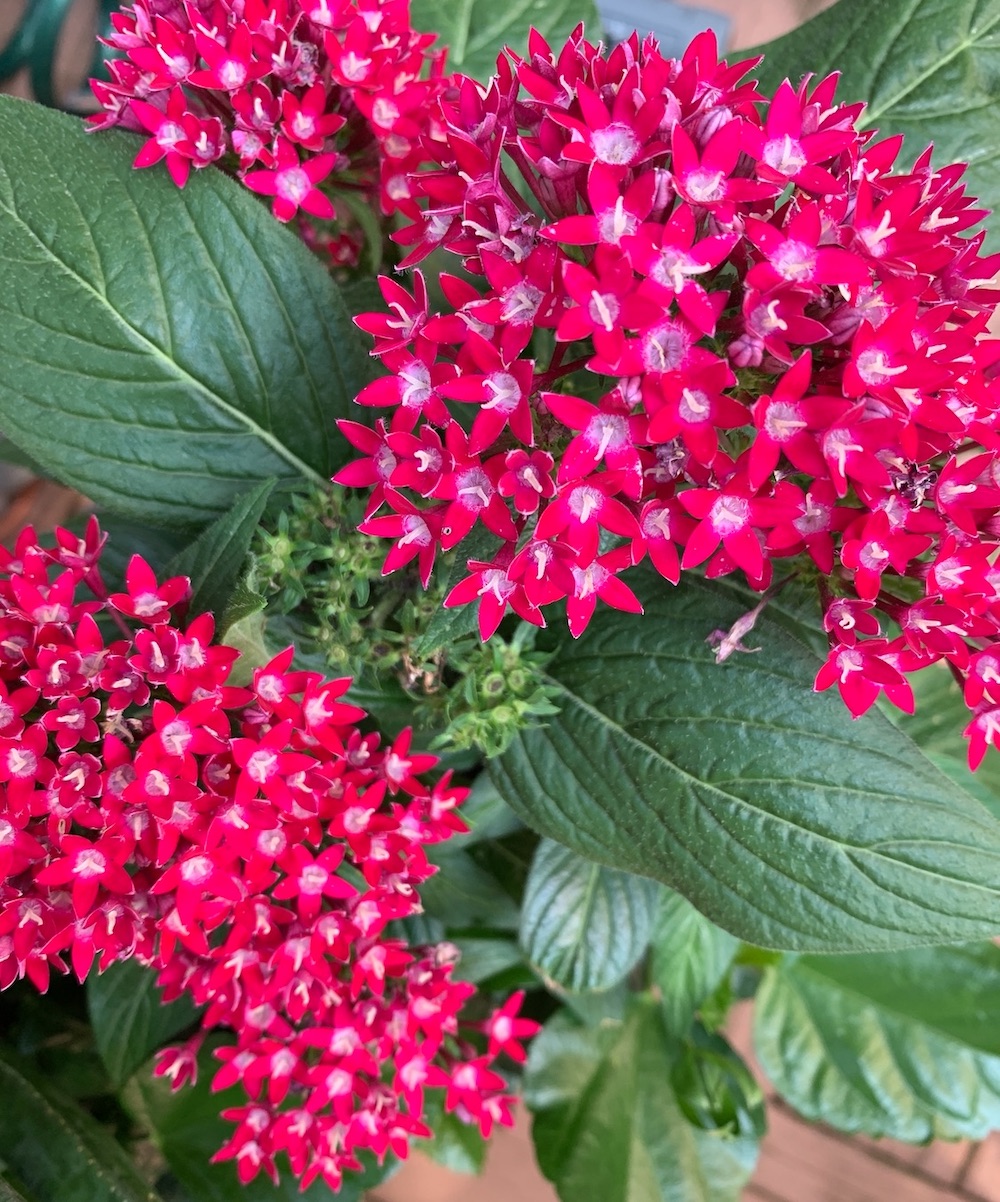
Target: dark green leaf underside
<point x="904" y="1045"/>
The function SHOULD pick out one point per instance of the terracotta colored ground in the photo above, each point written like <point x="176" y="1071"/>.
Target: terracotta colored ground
<point x="800" y="1162"/>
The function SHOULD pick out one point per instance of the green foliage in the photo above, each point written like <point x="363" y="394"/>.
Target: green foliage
<point x="182" y="359"/>
<point x="905" y="1045"/>
<point x="584" y="926"/>
<point x="476" y="31"/>
<point x="690" y="959"/>
<point x="9" y="1194"/>
<point x="928" y="69"/>
<point x="160" y="350"/>
<point x="462" y="894"/>
<point x="607" y="1121"/>
<point x="325" y="578"/>
<point x="129" y="1018"/>
<point x="457" y="1145"/>
<point x="57" y="1151"/>
<point x="715" y="1089"/>
<point x="728" y="783"/>
<point x="216" y="558"/>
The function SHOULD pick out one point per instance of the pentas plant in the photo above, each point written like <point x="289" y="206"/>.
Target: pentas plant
<point x="673" y="363"/>
<point x="297" y="98"/>
<point x="251" y="844"/>
<point x="709" y="327"/>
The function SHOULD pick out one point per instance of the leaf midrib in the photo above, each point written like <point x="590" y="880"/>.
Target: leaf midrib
<point x="961" y="47"/>
<point x="572" y="955"/>
<point x="734" y="799"/>
<point x="172" y="366"/>
<point x="74" y="1136"/>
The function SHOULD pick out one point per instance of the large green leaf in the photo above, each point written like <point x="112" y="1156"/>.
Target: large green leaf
<point x="129" y="1018"/>
<point x="55" y="1150"/>
<point x="929" y="69"/>
<point x="780" y="818"/>
<point x="690" y="958"/>
<point x="905" y="1044"/>
<point x="160" y="349"/>
<point x="476" y="31"/>
<point x="607" y="1123"/>
<point x="583" y="926"/>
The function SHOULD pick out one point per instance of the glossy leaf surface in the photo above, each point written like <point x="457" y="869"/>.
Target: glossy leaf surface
<point x="781" y="819"/>
<point x="905" y="1045"/>
<point x="160" y="349"/>
<point x="607" y="1123"/>
<point x="583" y="925"/>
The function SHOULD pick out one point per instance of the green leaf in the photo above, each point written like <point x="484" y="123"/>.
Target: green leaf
<point x="475" y="31"/>
<point x="129" y="1018"/>
<point x="780" y="818"/>
<point x="926" y="68"/>
<point x="55" y="1150"/>
<point x="715" y="1088"/>
<point x="905" y="1044"/>
<point x="215" y="559"/>
<point x="160" y="349"/>
<point x="483" y="958"/>
<point x="607" y="1123"/>
<point x="244" y="603"/>
<point x="11" y="453"/>
<point x="188" y="1130"/>
<point x="247" y="635"/>
<point x="487" y="815"/>
<point x="464" y="895"/>
<point x="691" y="956"/>
<point x="583" y="926"/>
<point x="456" y="1145"/>
<point x="9" y="1194"/>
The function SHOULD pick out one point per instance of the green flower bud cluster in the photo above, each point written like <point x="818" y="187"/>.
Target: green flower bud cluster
<point x="325" y="591"/>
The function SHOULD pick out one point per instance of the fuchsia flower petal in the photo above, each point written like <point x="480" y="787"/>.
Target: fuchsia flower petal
<point x="216" y="845"/>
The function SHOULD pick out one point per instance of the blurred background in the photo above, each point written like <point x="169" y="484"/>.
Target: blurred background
<point x="48" y="45"/>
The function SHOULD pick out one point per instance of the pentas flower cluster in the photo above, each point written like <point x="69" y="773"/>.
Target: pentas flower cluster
<point x="296" y="97"/>
<point x="712" y="329"/>
<point x="251" y="844"/>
